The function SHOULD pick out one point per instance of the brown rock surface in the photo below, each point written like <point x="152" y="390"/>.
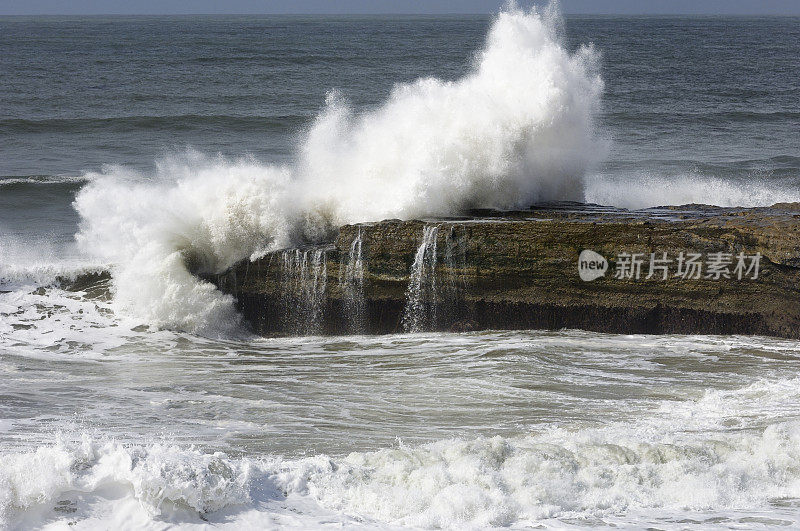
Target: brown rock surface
<point x="519" y="270"/>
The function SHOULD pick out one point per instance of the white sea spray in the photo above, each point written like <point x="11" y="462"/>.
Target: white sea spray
<point x="517" y="128"/>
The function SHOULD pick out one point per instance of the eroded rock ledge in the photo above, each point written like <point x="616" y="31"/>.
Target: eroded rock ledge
<point x="519" y="270"/>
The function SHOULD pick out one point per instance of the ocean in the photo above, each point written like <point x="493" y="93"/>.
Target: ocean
<point x="132" y="395"/>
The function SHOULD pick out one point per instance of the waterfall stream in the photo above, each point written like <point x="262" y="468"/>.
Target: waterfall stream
<point x="420" y="310"/>
<point x="351" y="282"/>
<point x="433" y="297"/>
<point x="304" y="277"/>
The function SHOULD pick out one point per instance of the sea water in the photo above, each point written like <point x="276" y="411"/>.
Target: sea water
<point x="152" y="148"/>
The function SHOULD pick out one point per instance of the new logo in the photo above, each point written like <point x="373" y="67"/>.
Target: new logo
<point x="591" y="265"/>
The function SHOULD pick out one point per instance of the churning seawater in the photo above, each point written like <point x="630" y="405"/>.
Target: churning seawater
<point x="127" y="144"/>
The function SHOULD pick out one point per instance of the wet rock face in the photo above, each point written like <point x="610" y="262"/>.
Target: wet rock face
<point x="689" y="269"/>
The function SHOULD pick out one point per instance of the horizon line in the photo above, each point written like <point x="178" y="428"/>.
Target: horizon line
<point x="399" y="13"/>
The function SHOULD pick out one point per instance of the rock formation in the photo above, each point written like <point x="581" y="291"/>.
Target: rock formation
<point x="728" y="271"/>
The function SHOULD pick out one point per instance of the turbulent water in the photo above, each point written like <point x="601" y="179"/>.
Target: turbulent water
<point x="152" y="147"/>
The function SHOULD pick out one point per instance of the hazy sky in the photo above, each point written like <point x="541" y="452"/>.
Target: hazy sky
<point x="27" y="7"/>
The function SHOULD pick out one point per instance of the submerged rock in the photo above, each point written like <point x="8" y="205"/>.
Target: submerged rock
<point x="689" y="269"/>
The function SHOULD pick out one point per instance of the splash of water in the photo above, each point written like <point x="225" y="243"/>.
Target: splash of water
<point x="517" y="128"/>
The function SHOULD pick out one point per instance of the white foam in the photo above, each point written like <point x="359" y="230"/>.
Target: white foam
<point x="620" y="472"/>
<point x="208" y="212"/>
<point x="516" y="129"/>
<point x="54" y="323"/>
<point x="161" y="481"/>
<point x="655" y="471"/>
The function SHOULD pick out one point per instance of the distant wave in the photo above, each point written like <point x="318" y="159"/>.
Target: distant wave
<point x="171" y="123"/>
<point x="44" y="263"/>
<point x="13" y="180"/>
<point x="41" y="261"/>
<point x="278" y="61"/>
<point x="775" y="162"/>
<point x="642" y="190"/>
<point x="712" y="116"/>
<point x="774" y="172"/>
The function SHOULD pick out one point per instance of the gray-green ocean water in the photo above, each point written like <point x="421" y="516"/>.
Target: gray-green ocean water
<point x="143" y="403"/>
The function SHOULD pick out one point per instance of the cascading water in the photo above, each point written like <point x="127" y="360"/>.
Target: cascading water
<point x="304" y="275"/>
<point x="420" y="310"/>
<point x="351" y="282"/>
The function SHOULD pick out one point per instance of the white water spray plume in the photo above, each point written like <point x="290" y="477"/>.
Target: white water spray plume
<point x="516" y="129"/>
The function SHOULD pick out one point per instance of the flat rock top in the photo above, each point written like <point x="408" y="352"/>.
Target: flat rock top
<point x="593" y="213"/>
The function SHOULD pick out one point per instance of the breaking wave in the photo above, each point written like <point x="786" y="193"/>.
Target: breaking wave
<point x="40" y="262"/>
<point x="518" y="128"/>
<point x="614" y="474"/>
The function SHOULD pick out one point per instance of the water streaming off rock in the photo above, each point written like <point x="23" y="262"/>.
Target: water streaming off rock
<point x="420" y="311"/>
<point x="434" y="296"/>
<point x="351" y="282"/>
<point x="304" y="277"/>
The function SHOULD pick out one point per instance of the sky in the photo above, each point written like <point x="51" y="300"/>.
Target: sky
<point x="147" y="7"/>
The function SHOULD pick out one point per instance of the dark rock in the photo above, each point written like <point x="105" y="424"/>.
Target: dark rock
<point x="466" y="325"/>
<point x="519" y="270"/>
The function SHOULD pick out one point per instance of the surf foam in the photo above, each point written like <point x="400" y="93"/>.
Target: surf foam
<point x="631" y="475"/>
